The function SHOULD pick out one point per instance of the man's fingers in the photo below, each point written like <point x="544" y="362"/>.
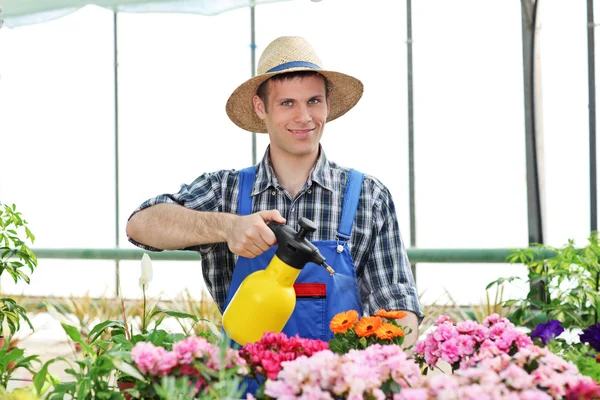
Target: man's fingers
<point x="265" y="241"/>
<point x="254" y="250"/>
<point x="267" y="234"/>
<point x="272" y="215"/>
<point x="253" y="236"/>
<point x="268" y="237"/>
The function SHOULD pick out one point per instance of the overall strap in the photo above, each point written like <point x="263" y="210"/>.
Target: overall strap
<point x="351" y="196"/>
<point x="246" y="181"/>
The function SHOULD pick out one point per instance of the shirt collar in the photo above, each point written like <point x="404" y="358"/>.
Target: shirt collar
<point x="266" y="178"/>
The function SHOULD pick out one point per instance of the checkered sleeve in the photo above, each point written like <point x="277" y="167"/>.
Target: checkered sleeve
<point x="204" y="194"/>
<point x="388" y="276"/>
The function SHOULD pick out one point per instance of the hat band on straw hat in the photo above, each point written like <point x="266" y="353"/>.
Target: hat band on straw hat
<point x="293" y="64"/>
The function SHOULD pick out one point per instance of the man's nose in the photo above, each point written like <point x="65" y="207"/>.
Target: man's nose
<point x="303" y="115"/>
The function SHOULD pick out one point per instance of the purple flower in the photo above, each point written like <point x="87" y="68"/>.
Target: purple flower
<point x="548" y="331"/>
<point x="591" y="335"/>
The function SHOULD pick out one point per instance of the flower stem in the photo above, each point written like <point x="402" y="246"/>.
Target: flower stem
<point x="144" y="315"/>
<point x="597" y="287"/>
<point x="127" y="334"/>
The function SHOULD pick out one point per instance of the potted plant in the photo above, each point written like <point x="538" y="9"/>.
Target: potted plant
<point x="11" y="360"/>
<point x="93" y="373"/>
<point x="193" y="369"/>
<point x="565" y="285"/>
<point x="122" y="337"/>
<point x="11" y="315"/>
<point x="15" y="255"/>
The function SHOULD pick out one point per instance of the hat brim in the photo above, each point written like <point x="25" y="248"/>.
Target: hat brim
<point x="345" y="92"/>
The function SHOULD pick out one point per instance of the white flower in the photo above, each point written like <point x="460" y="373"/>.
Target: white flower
<point x="146" y="277"/>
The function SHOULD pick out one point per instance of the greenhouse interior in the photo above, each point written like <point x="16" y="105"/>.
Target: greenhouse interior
<point x="473" y="260"/>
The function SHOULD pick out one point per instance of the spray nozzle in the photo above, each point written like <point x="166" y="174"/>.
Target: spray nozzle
<point x="294" y="249"/>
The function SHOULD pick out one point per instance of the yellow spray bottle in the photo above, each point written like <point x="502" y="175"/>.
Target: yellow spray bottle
<point x="266" y="299"/>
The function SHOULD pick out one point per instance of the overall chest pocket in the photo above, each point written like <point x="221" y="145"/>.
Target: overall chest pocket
<point x="309" y="319"/>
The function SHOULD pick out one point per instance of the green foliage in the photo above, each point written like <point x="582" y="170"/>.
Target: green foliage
<point x="564" y="285"/>
<point x="18" y="394"/>
<point x="12" y="313"/>
<point x="120" y="341"/>
<point x="580" y="354"/>
<point x="83" y="310"/>
<point x="205" y="309"/>
<point x="344" y="342"/>
<point x="14" y="252"/>
<point x="226" y="383"/>
<point x="174" y="388"/>
<point x="14" y="256"/>
<point x="91" y="374"/>
<point x="11" y="360"/>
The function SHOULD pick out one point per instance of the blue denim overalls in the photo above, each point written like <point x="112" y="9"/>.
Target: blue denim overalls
<point x="318" y="299"/>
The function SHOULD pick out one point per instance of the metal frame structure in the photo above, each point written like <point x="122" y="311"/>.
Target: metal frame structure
<point x="529" y="14"/>
<point x="116" y="125"/>
<point x="592" y="114"/>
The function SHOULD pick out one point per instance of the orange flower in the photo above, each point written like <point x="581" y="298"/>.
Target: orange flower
<point x="388" y="331"/>
<point x="390" y="314"/>
<point x="367" y="326"/>
<point x="343" y="321"/>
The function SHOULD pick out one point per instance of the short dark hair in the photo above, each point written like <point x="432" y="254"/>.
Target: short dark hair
<point x="263" y="89"/>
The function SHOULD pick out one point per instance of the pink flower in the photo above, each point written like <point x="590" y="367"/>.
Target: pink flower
<point x="582" y="388"/>
<point x="467" y="343"/>
<point x="166" y="363"/>
<point x="450" y="351"/>
<point x="358" y="374"/>
<point x="157" y="362"/>
<point x="467" y="327"/>
<point x="412" y="394"/>
<point x="516" y="377"/>
<point x="186" y="349"/>
<point x="444" y="332"/>
<point x="534" y="394"/>
<point x="266" y="356"/>
<point x="146" y="356"/>
<point x="442" y="319"/>
<point x="491" y="320"/>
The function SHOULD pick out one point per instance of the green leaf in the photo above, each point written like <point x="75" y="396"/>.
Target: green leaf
<point x="23" y="276"/>
<point x="40" y="378"/>
<point x="363" y="342"/>
<point x="29" y="235"/>
<point x="13" y="355"/>
<point x="391" y="386"/>
<point x="98" y="329"/>
<point x="76" y="336"/>
<point x="83" y="389"/>
<point x="128" y="369"/>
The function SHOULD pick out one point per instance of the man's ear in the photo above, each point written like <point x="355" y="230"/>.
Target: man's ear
<point x="259" y="107"/>
<point x="328" y="102"/>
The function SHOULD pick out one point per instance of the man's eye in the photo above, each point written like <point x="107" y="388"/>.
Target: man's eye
<point x="314" y="101"/>
<point x="286" y="103"/>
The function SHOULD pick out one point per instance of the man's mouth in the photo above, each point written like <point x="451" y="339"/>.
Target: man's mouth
<point x="301" y="132"/>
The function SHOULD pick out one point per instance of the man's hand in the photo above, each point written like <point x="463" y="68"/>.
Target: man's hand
<point x="249" y="236"/>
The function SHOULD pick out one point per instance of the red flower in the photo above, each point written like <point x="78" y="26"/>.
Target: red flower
<point x="265" y="356"/>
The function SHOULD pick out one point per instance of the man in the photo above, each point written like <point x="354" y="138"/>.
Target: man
<point x="223" y="215"/>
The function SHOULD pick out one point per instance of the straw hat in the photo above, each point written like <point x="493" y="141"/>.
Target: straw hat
<point x="289" y="54"/>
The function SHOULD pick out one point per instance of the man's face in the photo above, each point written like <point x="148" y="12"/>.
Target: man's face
<point x="297" y="111"/>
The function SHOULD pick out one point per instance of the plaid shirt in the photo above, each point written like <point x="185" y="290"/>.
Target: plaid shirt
<point x="382" y="266"/>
